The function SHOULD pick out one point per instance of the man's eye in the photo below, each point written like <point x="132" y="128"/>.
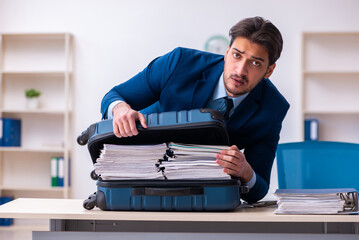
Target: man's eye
<point x="256" y="63"/>
<point x="236" y="55"/>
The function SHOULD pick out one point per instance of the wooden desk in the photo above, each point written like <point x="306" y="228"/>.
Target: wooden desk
<point x="68" y="216"/>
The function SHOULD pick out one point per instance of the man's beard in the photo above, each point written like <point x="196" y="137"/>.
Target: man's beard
<point x="237" y="92"/>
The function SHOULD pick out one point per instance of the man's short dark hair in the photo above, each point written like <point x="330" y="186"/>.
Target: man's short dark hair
<point x="262" y="32"/>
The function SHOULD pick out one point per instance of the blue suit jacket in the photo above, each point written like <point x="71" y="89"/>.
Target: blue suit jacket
<point x="185" y="79"/>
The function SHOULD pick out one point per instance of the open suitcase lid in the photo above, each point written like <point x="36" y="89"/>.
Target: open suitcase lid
<point x="197" y="126"/>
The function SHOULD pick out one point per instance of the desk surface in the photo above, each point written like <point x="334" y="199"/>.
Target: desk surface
<point x="36" y="208"/>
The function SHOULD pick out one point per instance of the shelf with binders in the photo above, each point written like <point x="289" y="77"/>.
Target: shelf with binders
<point x="334" y="127"/>
<point x="330" y="80"/>
<point x="36" y="174"/>
<point x="26" y="169"/>
<point x="40" y="61"/>
<point x="333" y="106"/>
<point x="39" y="133"/>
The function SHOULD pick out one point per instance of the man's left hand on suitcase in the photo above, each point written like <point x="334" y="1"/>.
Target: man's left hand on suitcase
<point x="124" y="120"/>
<point x="234" y="163"/>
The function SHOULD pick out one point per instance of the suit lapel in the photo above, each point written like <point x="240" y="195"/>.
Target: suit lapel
<point x="246" y="109"/>
<point x="204" y="88"/>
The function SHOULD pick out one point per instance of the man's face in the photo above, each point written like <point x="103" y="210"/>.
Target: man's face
<point x="246" y="64"/>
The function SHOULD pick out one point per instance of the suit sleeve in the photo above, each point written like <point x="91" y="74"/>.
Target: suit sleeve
<point x="261" y="156"/>
<point x="145" y="88"/>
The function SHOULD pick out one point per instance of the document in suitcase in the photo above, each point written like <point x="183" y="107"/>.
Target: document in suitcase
<point x="198" y="126"/>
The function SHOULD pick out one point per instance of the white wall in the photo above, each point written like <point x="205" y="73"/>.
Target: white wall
<point x="116" y="39"/>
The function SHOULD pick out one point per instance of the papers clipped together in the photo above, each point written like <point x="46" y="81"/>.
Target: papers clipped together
<point x="160" y="161"/>
<point x="317" y="201"/>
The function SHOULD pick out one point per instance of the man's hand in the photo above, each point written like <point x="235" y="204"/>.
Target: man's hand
<point x="124" y="120"/>
<point x="234" y="163"/>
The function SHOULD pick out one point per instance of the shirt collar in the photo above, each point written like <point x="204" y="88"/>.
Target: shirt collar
<point x="220" y="92"/>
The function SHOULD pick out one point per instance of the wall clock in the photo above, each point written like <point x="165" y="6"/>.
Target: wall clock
<point x="217" y="44"/>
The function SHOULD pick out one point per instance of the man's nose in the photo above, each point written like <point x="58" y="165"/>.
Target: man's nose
<point x="241" y="68"/>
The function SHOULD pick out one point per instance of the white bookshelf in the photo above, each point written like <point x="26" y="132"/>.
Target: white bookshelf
<point x="330" y="77"/>
<point x="44" y="62"/>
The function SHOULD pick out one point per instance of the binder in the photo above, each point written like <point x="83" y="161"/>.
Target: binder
<point x="6" y="221"/>
<point x="317" y="201"/>
<point x="57" y="171"/>
<point x="311" y="129"/>
<point x="61" y="173"/>
<point x="54" y="172"/>
<point x="10" y="132"/>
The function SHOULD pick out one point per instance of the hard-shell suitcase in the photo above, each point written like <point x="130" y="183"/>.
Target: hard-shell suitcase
<point x="198" y="126"/>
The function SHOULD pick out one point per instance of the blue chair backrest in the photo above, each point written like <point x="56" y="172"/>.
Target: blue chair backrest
<point x="318" y="164"/>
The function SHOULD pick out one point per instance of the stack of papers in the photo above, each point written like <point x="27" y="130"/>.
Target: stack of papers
<point x="189" y="161"/>
<point x="161" y="161"/>
<point x="311" y="201"/>
<point x="129" y="161"/>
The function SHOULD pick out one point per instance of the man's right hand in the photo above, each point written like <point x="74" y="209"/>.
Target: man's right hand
<point x="124" y="120"/>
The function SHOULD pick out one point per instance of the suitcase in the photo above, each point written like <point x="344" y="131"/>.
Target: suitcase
<point x="198" y="126"/>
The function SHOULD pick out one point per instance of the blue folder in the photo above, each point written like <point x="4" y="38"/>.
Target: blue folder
<point x="311" y="129"/>
<point x="6" y="221"/>
<point x="10" y="132"/>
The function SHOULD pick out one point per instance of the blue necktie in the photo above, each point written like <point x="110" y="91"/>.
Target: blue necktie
<point x="224" y="105"/>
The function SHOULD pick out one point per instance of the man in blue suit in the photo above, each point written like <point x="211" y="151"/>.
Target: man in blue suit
<point x="189" y="79"/>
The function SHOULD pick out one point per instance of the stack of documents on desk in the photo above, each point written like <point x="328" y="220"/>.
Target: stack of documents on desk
<point x="161" y="161"/>
<point x="317" y="201"/>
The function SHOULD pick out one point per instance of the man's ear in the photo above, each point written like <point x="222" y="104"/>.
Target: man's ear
<point x="270" y="70"/>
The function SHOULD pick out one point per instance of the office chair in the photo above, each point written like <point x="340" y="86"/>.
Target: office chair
<point x="318" y="164"/>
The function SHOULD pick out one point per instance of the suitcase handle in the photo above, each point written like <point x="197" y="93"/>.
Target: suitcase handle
<point x="148" y="191"/>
